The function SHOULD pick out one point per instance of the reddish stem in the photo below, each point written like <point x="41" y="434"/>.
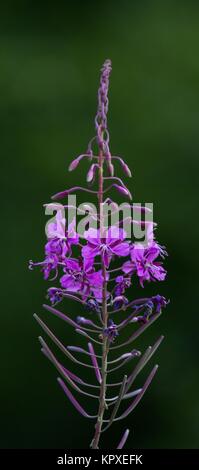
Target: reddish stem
<point x="105" y="343"/>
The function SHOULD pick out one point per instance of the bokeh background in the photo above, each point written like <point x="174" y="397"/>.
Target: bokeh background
<point x="50" y="56"/>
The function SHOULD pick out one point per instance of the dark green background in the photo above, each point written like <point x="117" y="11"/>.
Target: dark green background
<point x="50" y="56"/>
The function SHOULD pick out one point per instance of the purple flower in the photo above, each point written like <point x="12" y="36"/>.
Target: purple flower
<point x="55" y="295"/>
<point x="57" y="230"/>
<point x="143" y="263"/>
<point x="111" y="244"/>
<point x="120" y="302"/>
<point x="91" y="305"/>
<point x="49" y="264"/>
<point x="122" y="283"/>
<point x="84" y="280"/>
<point x="159" y="302"/>
<point x="144" y="318"/>
<point x="62" y="243"/>
<point x="111" y="331"/>
<point x="61" y="246"/>
<point x="57" y="248"/>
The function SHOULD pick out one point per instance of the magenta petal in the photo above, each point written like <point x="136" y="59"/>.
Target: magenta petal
<point x="88" y="263"/>
<point x="115" y="234"/>
<point x="98" y="293"/>
<point x="71" y="233"/>
<point x="89" y="252"/>
<point x="92" y="235"/>
<point x="95" y="279"/>
<point x="68" y="282"/>
<point x="73" y="264"/>
<point x="106" y="258"/>
<point x="137" y="253"/>
<point x="73" y="240"/>
<point x="141" y="271"/>
<point x="152" y="254"/>
<point x="159" y="272"/>
<point x="122" y="249"/>
<point x="128" y="267"/>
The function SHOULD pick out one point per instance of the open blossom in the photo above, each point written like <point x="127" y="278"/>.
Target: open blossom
<point x="143" y="263"/>
<point x="111" y="331"/>
<point x="92" y="306"/>
<point x="119" y="302"/>
<point x="57" y="228"/>
<point x="49" y="264"/>
<point x="112" y="243"/>
<point x="81" y="279"/>
<point x="122" y="283"/>
<point x="159" y="302"/>
<point x="57" y="248"/>
<point x="55" y="295"/>
<point x="60" y="242"/>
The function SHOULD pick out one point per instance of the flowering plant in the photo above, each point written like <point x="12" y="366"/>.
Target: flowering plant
<point x="82" y="264"/>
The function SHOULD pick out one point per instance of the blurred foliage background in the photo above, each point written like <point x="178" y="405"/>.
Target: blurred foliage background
<point x="50" y="56"/>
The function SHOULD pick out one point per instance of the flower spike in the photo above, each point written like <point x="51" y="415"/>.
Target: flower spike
<point x="96" y="267"/>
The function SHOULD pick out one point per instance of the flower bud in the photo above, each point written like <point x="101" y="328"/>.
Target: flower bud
<point x="127" y="170"/>
<point x="83" y="321"/>
<point x="74" y="164"/>
<point x="123" y="191"/>
<point x="91" y="173"/>
<point x="110" y="168"/>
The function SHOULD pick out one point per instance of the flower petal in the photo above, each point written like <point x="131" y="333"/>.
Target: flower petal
<point x="73" y="264"/>
<point x="121" y="249"/>
<point x="128" y="267"/>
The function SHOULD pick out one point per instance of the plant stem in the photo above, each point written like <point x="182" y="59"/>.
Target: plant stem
<point x="105" y="341"/>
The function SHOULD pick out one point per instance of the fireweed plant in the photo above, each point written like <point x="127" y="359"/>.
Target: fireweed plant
<point x="91" y="280"/>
